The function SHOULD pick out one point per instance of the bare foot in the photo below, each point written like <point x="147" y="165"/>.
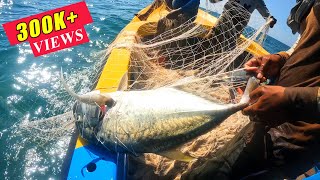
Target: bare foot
<point x="142" y="17"/>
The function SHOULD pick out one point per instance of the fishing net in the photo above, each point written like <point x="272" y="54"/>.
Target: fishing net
<point x="188" y="54"/>
<point x="191" y="56"/>
<point x="197" y="59"/>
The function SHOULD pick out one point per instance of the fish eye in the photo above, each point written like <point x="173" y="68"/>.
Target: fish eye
<point x="110" y="103"/>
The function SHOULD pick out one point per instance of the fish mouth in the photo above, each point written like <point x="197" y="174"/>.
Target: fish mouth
<point x="88" y="115"/>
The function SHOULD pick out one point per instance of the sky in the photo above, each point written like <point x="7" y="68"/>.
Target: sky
<point x="280" y="9"/>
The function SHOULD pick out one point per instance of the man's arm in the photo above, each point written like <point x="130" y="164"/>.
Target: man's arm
<point x="303" y="98"/>
<point x="269" y="102"/>
<point x="262" y="9"/>
<point x="269" y="66"/>
<point x="269" y="99"/>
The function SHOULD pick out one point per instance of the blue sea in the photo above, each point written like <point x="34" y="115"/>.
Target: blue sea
<point x="25" y="81"/>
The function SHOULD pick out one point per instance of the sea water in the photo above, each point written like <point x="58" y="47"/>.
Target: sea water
<point x="25" y="80"/>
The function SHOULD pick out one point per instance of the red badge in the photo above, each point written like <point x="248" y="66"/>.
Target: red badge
<point x="52" y="30"/>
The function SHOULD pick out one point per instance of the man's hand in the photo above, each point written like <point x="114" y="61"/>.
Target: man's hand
<point x="273" y="22"/>
<point x="267" y="103"/>
<point x="265" y="67"/>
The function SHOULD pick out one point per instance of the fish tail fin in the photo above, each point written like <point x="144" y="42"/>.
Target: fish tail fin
<point x="252" y="84"/>
<point x="66" y="87"/>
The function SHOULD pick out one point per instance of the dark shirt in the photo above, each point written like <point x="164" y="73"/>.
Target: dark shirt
<point x="299" y="135"/>
<point x="188" y="7"/>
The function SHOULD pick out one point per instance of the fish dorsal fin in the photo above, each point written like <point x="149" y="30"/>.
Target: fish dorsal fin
<point x="177" y="155"/>
<point x="123" y="84"/>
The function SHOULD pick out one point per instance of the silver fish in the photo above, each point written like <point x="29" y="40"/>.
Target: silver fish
<point x="153" y="121"/>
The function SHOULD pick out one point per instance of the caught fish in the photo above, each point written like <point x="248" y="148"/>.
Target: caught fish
<point x="153" y="121"/>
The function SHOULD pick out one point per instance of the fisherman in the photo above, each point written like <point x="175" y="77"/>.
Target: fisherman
<point x="231" y="23"/>
<point x="283" y="138"/>
<point x="232" y="12"/>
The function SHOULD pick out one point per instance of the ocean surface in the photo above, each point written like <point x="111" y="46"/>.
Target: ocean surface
<point x="25" y="81"/>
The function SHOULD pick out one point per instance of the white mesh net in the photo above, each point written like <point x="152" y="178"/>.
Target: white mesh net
<point x="190" y="50"/>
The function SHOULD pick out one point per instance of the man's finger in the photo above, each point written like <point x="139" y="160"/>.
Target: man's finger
<point x="260" y="75"/>
<point x="252" y="112"/>
<point x="253" y="63"/>
<point x="251" y="69"/>
<point x="248" y="111"/>
<point x="256" y="94"/>
<point x="263" y="79"/>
